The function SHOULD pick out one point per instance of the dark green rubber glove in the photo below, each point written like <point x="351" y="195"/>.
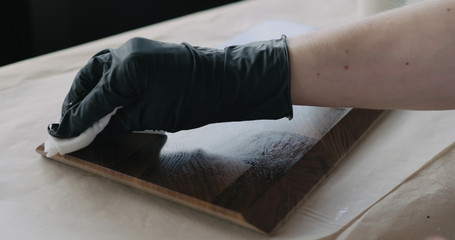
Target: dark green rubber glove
<point x="172" y="87"/>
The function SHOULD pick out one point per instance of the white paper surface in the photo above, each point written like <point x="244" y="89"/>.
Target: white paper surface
<point x="422" y="207"/>
<point x="42" y="199"/>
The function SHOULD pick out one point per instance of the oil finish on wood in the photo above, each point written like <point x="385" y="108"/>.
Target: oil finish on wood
<point x="251" y="173"/>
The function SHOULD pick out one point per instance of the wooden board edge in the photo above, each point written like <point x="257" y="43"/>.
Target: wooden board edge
<point x="239" y="218"/>
<point x="156" y="190"/>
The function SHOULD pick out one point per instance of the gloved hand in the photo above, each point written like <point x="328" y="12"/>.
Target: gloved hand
<point x="172" y="87"/>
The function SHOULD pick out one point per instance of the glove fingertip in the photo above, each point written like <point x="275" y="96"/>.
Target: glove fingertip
<point x="52" y="129"/>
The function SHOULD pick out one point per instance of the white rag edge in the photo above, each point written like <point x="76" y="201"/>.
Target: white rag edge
<point x="54" y="145"/>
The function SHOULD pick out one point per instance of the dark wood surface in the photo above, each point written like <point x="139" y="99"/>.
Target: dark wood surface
<point x="251" y="173"/>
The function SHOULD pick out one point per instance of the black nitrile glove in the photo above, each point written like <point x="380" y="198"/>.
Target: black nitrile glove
<point x="173" y="87"/>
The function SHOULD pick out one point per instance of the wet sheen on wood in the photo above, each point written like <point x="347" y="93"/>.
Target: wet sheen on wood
<point x="251" y="173"/>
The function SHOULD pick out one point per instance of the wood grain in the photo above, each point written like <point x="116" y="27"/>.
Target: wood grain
<point x="251" y="173"/>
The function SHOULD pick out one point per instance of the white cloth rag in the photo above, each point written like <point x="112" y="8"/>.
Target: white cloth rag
<point x="54" y="145"/>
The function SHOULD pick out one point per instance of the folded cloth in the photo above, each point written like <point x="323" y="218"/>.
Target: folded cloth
<point x="54" y="145"/>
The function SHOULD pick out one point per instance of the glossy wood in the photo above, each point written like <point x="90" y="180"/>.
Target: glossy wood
<point x="251" y="173"/>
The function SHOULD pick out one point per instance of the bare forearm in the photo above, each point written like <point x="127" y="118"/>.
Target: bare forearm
<point x="402" y="59"/>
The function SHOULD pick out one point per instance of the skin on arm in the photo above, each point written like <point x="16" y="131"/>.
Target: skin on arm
<point x="400" y="59"/>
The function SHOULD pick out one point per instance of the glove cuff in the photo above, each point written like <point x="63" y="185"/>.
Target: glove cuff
<point x="257" y="82"/>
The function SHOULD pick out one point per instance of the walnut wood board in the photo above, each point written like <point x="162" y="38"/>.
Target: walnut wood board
<point x="251" y="173"/>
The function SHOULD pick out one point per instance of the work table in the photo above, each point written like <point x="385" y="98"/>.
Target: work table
<point x="396" y="183"/>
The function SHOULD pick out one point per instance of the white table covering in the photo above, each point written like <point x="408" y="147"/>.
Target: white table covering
<point x="42" y="199"/>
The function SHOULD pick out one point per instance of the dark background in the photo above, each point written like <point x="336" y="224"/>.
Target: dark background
<point x="34" y="27"/>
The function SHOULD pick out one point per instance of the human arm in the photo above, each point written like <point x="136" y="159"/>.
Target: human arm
<point x="400" y="59"/>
